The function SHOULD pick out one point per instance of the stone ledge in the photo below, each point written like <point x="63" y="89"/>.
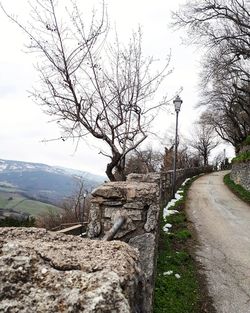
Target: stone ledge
<point x="51" y="272"/>
<point x="126" y="191"/>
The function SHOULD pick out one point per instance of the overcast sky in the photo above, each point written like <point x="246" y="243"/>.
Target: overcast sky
<point x="23" y="126"/>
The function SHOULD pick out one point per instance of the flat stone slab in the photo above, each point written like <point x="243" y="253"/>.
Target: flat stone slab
<point x="127" y="191"/>
<point x="42" y="271"/>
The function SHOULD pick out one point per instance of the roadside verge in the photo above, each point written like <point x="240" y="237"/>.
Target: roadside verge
<point x="237" y="189"/>
<point x="180" y="286"/>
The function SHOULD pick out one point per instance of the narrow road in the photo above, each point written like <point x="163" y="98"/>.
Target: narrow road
<point x="222" y="222"/>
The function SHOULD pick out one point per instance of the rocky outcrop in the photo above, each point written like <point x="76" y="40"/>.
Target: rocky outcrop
<point x="42" y="271"/>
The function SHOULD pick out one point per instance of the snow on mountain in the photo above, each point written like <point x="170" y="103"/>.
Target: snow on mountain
<point x="19" y="166"/>
<point x="45" y="182"/>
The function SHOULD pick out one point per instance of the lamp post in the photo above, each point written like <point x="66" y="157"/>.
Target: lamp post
<point x="177" y="105"/>
<point x="82" y="211"/>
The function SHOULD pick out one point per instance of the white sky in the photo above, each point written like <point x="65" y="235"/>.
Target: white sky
<point x="23" y="126"/>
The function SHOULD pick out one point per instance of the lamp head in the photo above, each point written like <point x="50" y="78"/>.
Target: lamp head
<point x="177" y="103"/>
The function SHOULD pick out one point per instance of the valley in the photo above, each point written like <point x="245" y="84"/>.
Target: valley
<point x="33" y="189"/>
<point x="16" y="205"/>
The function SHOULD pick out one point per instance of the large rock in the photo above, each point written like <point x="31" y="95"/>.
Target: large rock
<point x="42" y="271"/>
<point x="94" y="226"/>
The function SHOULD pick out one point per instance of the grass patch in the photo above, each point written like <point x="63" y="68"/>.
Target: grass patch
<point x="242" y="157"/>
<point x="36" y="208"/>
<point x="179" y="219"/>
<point x="237" y="189"/>
<point x="183" y="234"/>
<point x="177" y="288"/>
<point x="22" y="204"/>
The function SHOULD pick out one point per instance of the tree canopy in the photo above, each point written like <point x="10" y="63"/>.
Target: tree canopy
<point x="222" y="29"/>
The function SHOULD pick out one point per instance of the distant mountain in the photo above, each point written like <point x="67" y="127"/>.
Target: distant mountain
<point x="43" y="182"/>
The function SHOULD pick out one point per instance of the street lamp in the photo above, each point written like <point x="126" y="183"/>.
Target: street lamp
<point x="177" y="105"/>
<point x="82" y="211"/>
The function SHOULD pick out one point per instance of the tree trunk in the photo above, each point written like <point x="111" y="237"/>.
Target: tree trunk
<point x="117" y="165"/>
<point x="109" y="173"/>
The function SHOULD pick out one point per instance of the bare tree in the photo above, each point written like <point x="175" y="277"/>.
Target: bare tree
<point x="220" y="161"/>
<point x="228" y="111"/>
<point x="144" y="161"/>
<point x="74" y="209"/>
<point x="222" y="28"/>
<point x="217" y="23"/>
<point x="204" y="141"/>
<point x="90" y="87"/>
<point x="78" y="203"/>
<point x="185" y="157"/>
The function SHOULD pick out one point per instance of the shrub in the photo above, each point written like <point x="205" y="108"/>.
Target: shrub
<point x="11" y="222"/>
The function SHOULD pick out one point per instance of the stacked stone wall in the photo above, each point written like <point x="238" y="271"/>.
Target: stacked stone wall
<point x="139" y="199"/>
<point x="240" y="172"/>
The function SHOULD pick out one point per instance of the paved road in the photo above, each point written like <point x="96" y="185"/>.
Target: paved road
<point x="222" y="222"/>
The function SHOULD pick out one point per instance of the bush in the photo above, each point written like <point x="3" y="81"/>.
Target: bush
<point x="11" y="222"/>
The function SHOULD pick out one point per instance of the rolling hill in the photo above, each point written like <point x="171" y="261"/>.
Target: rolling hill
<point x="43" y="182"/>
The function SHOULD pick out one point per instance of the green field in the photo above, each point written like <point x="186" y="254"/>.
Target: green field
<point x="17" y="202"/>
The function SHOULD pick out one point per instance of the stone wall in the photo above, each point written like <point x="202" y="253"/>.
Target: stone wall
<point x="138" y="199"/>
<point x="245" y="148"/>
<point x="53" y="272"/>
<point x="166" y="180"/>
<point x="240" y="174"/>
<point x="42" y="271"/>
